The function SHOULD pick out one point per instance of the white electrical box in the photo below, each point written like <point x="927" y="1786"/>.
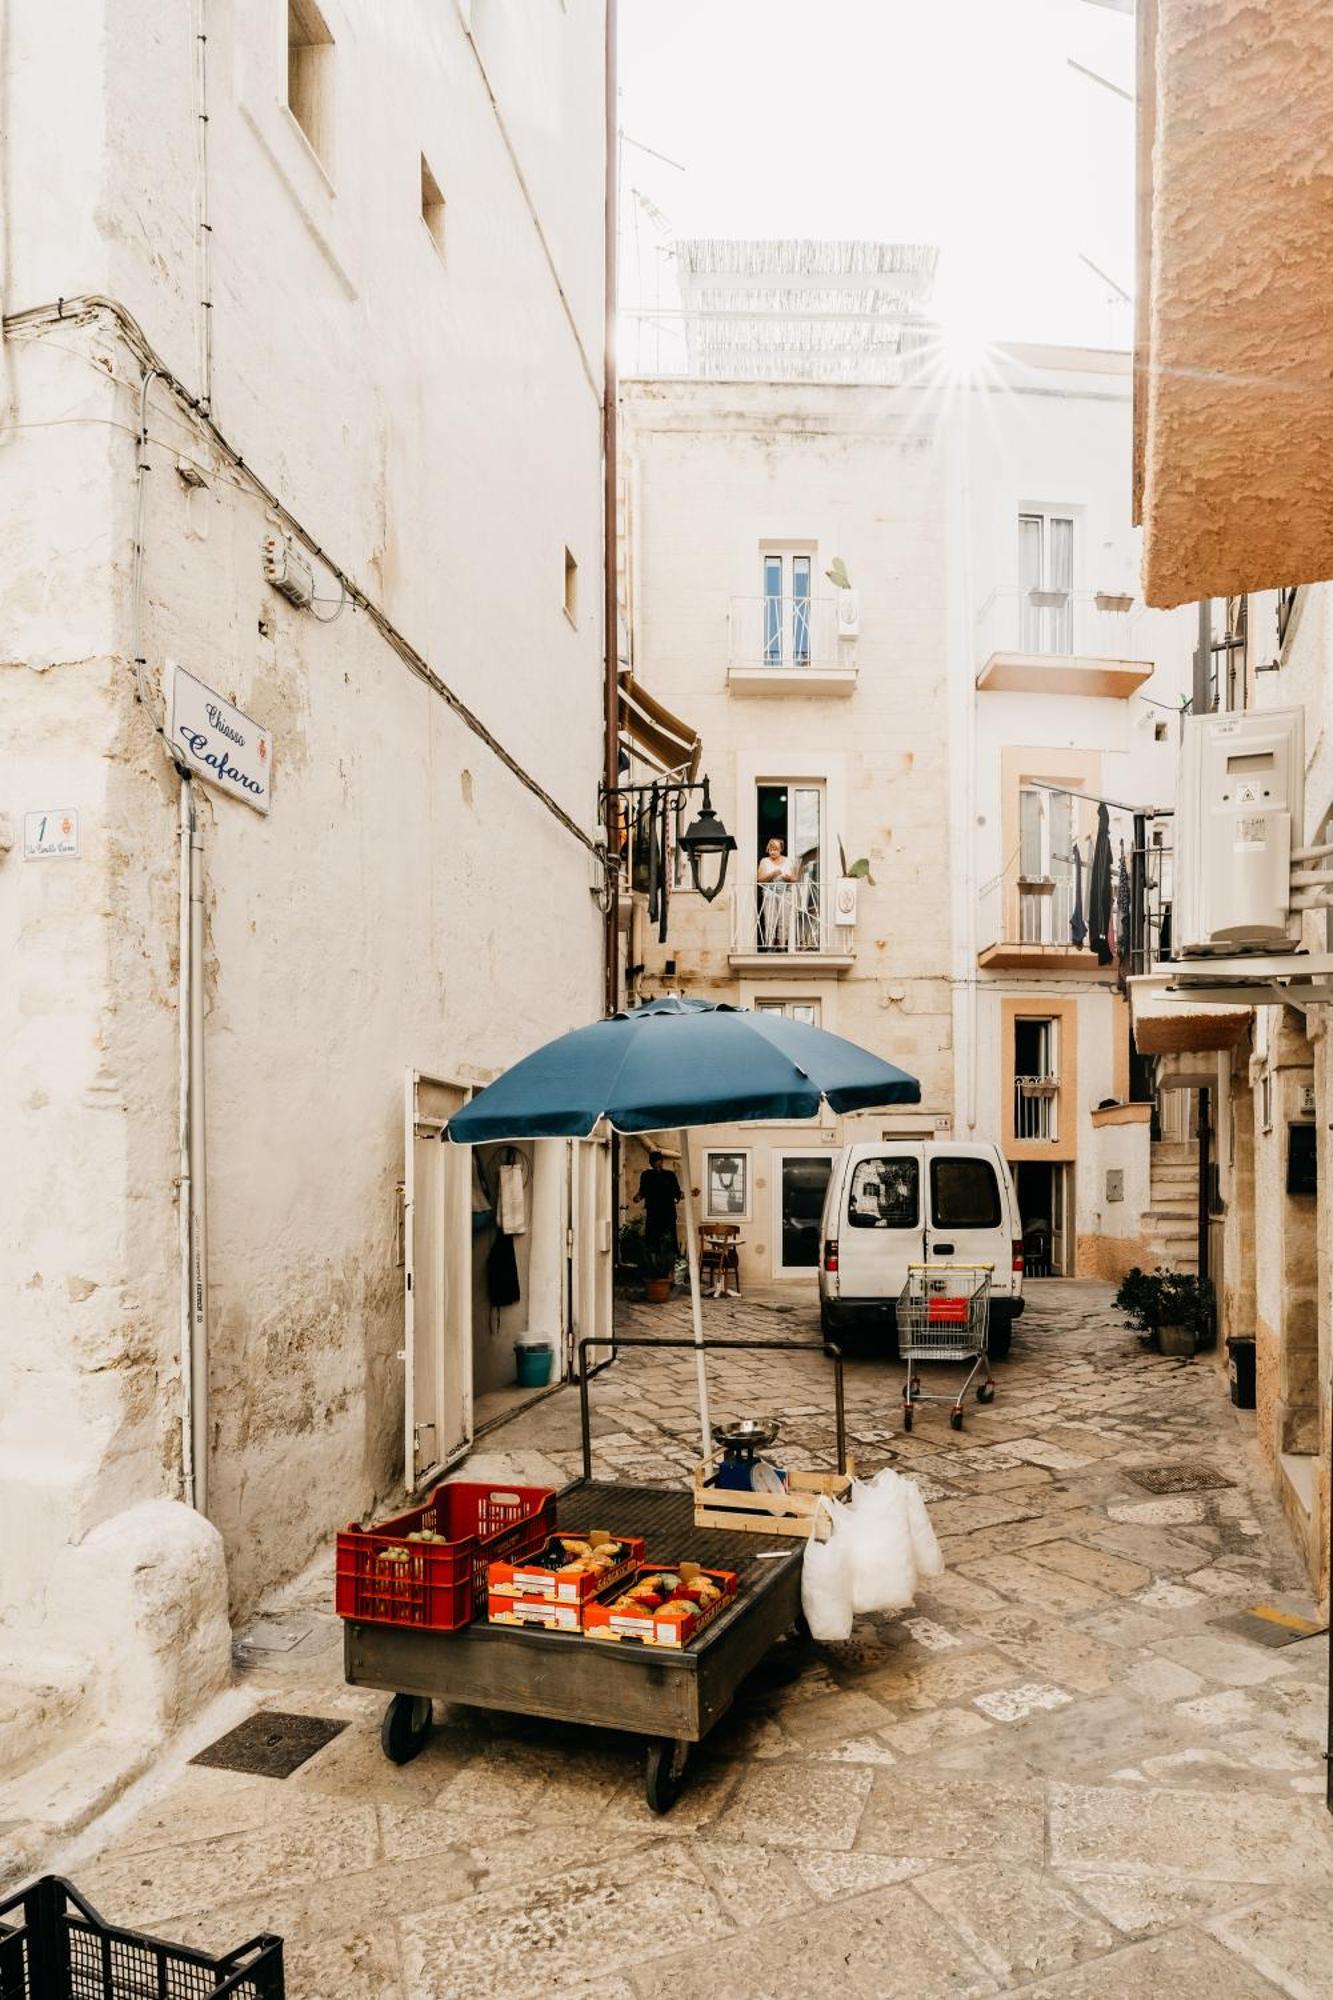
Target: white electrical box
<point x="849" y="614"/>
<point x="287" y="570"/>
<point x="1240" y="812"/>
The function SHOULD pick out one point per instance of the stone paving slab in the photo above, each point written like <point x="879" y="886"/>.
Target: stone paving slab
<point x="1058" y="1774"/>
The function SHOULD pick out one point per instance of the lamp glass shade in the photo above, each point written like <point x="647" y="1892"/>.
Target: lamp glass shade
<point x="708" y="847"/>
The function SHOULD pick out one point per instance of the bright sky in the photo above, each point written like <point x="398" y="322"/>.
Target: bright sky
<point x="956" y="122"/>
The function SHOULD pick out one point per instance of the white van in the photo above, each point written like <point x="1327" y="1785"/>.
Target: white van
<point x="895" y="1202"/>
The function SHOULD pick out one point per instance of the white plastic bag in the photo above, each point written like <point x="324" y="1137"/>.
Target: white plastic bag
<point x="826" y="1575"/>
<point x="925" y="1548"/>
<point x="882" y="1550"/>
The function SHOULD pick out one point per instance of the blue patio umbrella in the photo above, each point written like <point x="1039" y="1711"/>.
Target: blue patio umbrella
<point x="673" y="1064"/>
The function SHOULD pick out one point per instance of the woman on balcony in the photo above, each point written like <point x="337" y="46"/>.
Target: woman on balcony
<point x="777" y="876"/>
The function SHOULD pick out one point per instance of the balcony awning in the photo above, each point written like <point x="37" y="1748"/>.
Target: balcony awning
<point x="1167" y="1022"/>
<point x="1234" y="338"/>
<point x="651" y="732"/>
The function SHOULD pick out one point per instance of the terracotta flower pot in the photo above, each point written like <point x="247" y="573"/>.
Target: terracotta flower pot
<point x="657" y="1290"/>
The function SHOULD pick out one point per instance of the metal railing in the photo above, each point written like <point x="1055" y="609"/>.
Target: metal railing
<point x="1018" y="909"/>
<point x="794" y="632"/>
<point x="786" y="918"/>
<point x="1036" y="1107"/>
<point x="1089" y="624"/>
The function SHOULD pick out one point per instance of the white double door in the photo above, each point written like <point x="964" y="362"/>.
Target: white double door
<point x="570" y="1267"/>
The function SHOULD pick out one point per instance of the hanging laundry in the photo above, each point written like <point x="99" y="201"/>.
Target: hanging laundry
<point x="502" y="1286"/>
<point x="514" y="1194"/>
<point x="1099" y="889"/>
<point x="1078" y="929"/>
<point x="1122" y="921"/>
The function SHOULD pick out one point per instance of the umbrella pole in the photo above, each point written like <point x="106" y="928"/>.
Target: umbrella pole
<point x="696" y="1297"/>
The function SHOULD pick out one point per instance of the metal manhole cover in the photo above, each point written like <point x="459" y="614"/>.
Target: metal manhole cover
<point x="1176" y="1478"/>
<point x="270" y="1744"/>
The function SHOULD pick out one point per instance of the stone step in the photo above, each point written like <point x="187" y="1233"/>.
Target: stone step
<point x="32" y="1714"/>
<point x="1174" y="1152"/>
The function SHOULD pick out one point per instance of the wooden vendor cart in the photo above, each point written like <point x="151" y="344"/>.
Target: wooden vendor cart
<point x="671" y="1696"/>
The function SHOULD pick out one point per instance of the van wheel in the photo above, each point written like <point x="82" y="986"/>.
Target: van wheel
<point x="1000" y="1336"/>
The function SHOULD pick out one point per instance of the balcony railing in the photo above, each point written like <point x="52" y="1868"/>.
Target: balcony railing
<point x="1057" y="623"/>
<point x="787" y="919"/>
<point x="792" y="632"/>
<point x="1035" y="918"/>
<point x="1036" y="1107"/>
<point x="1036" y="910"/>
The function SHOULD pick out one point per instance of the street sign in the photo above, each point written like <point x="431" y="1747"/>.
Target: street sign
<point x="226" y="747"/>
<point x="51" y="835"/>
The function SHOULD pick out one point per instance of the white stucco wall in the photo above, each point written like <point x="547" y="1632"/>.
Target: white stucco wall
<point x="436" y="427"/>
<point x="714" y="472"/>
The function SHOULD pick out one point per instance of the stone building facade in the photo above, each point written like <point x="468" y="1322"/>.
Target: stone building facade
<point x="894" y="732"/>
<point x="1231" y="479"/>
<point x="329" y="281"/>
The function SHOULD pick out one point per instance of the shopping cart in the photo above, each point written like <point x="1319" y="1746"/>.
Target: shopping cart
<point x="943" y="1314"/>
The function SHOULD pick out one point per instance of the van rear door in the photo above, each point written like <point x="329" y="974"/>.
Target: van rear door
<point x="882" y="1230"/>
<point x="968" y="1218"/>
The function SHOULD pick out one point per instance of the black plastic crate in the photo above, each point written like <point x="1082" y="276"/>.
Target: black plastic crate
<point x="54" y="1946"/>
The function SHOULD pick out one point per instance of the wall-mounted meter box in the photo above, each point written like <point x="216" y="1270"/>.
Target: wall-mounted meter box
<point x="1240" y="812"/>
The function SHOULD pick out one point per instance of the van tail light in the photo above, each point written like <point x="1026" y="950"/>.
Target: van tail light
<point x="830" y="1253"/>
<point x="1017" y="1247"/>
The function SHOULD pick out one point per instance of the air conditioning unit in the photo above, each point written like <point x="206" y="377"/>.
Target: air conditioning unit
<point x="849" y="614"/>
<point x="288" y="572"/>
<point x="1240" y="812"/>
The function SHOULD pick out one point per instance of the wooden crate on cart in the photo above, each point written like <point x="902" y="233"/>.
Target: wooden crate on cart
<point x="789" y="1513"/>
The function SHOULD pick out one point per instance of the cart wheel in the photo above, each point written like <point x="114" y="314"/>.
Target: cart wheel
<point x="986" y="1393"/>
<point x="664" y="1772"/>
<point x="907" y="1416"/>
<point x="955" y="1420"/>
<point x="405" y="1727"/>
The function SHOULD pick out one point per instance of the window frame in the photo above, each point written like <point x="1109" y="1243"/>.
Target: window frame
<point x="965" y="1160"/>
<point x="745" y="1156"/>
<point x="917" y="1223"/>
<point x="308" y="80"/>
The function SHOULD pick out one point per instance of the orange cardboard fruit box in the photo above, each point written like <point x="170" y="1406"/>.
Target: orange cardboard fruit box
<point x="661" y="1618"/>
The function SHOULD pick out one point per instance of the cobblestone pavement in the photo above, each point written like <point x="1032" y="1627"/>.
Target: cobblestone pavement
<point x="1064" y="1773"/>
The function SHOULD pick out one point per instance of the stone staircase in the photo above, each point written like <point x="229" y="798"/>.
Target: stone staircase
<point x="1170" y="1222"/>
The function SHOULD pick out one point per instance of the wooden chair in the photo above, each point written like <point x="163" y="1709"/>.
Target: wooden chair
<point x="719" y="1258"/>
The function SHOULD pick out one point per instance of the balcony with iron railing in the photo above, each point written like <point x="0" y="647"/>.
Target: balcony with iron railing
<point x="782" y="926"/>
<point x="1036" y="1107"/>
<point x="1059" y="642"/>
<point x="1041" y="918"/>
<point x="791" y="645"/>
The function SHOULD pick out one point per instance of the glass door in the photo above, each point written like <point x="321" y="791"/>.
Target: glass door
<point x="801" y="1184"/>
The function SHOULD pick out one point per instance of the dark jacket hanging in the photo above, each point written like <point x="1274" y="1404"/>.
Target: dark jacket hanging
<point x="1099" y="888"/>
<point x="1078" y="929"/>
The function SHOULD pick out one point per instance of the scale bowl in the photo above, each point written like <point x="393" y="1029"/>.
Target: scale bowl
<point x="747" y="1433"/>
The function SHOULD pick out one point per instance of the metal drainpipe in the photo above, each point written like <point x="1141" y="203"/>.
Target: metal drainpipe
<point x="611" y="937"/>
<point x="198" y="1182"/>
<point x="185" y="1206"/>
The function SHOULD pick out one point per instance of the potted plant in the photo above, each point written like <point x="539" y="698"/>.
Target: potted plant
<point x="629" y="1247"/>
<point x="1175" y="1307"/>
<point x="658" y="1265"/>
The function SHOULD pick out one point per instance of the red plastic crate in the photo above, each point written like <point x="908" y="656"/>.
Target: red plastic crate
<point x="438" y="1586"/>
<point x="948" y="1312"/>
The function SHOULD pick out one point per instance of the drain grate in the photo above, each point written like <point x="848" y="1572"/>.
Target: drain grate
<point x="1268" y="1625"/>
<point x="1176" y="1478"/>
<point x="270" y="1744"/>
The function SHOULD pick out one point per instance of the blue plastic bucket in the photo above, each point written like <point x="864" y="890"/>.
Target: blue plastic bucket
<point x="533" y="1363"/>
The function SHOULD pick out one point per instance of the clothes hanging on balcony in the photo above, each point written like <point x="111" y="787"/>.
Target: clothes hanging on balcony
<point x="1099" y="889"/>
<point x="1078" y="929"/>
<point x="1122" y="908"/>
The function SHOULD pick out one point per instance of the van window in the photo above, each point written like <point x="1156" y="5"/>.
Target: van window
<point x="886" y="1194"/>
<point x="964" y="1194"/>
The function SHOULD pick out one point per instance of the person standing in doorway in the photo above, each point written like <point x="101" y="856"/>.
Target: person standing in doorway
<point x="661" y="1195"/>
